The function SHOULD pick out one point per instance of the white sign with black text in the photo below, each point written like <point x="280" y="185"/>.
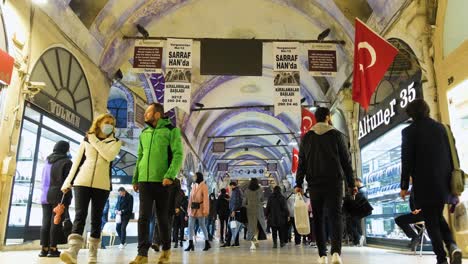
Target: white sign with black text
<point x="286" y="79"/>
<point x="178" y="75"/>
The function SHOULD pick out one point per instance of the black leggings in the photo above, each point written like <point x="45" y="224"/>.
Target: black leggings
<point x="83" y="196"/>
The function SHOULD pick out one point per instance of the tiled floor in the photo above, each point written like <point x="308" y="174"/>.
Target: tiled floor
<point x="265" y="254"/>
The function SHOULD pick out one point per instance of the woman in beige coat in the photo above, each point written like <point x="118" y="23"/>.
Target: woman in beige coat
<point x="198" y="210"/>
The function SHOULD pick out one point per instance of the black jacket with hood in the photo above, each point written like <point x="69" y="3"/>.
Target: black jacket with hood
<point x="324" y="160"/>
<point x="54" y="174"/>
<point x="277" y="210"/>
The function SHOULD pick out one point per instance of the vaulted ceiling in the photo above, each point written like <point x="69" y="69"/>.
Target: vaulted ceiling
<point x="109" y="21"/>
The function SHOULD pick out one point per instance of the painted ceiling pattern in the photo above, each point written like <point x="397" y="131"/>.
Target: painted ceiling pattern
<point x="267" y="19"/>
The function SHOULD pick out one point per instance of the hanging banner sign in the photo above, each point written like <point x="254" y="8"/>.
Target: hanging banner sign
<point x="6" y="67"/>
<point x="178" y="92"/>
<point x="147" y="57"/>
<point x="286" y="80"/>
<point x="322" y="60"/>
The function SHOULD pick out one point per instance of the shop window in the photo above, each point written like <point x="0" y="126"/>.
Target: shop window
<point x="118" y="108"/>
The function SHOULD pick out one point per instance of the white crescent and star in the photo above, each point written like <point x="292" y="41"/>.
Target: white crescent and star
<point x="371" y="50"/>
<point x="307" y="127"/>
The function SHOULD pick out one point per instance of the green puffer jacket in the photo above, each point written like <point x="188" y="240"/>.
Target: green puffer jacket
<point x="160" y="153"/>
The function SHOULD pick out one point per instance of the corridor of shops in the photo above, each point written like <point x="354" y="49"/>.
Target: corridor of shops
<point x="173" y="115"/>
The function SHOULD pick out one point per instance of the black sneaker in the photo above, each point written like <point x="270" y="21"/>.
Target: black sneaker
<point x="53" y="254"/>
<point x="226" y="245"/>
<point x="236" y="245"/>
<point x="455" y="254"/>
<point x="43" y="253"/>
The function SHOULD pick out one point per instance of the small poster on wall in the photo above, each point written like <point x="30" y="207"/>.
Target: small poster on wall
<point x="322" y="60"/>
<point x="147" y="57"/>
<point x="177" y="92"/>
<point x="286" y="79"/>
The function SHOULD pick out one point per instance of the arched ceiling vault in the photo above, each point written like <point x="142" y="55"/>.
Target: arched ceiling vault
<point x="261" y="19"/>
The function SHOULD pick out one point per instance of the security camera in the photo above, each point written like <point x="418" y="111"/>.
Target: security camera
<point x="33" y="88"/>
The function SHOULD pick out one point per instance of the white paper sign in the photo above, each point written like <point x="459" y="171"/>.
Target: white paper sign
<point x="178" y="75"/>
<point x="179" y="53"/>
<point x="286" y="56"/>
<point x="287" y="99"/>
<point x="286" y="77"/>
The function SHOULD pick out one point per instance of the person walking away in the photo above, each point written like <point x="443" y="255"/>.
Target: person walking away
<point x="277" y="215"/>
<point x="124" y="208"/>
<point x="90" y="179"/>
<point x="324" y="158"/>
<point x="160" y="155"/>
<point x="54" y="173"/>
<point x="235" y="206"/>
<point x="198" y="210"/>
<point x="426" y="158"/>
<point x="355" y="222"/>
<point x="104" y="220"/>
<point x="211" y="224"/>
<point x="405" y="221"/>
<point x="223" y="214"/>
<point x="253" y="201"/>
<point x="179" y="221"/>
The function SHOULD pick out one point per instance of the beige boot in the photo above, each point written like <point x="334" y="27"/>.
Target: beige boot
<point x="140" y="260"/>
<point x="69" y="256"/>
<point x="165" y="257"/>
<point x="93" y="248"/>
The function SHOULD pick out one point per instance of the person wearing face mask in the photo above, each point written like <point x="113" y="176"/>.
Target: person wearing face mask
<point x="90" y="179"/>
<point x="198" y="210"/>
<point x="325" y="159"/>
<point x="160" y="155"/>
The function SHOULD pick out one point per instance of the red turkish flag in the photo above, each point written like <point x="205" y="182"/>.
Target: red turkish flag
<point x="6" y="67"/>
<point x="308" y="121"/>
<point x="372" y="57"/>
<point x="295" y="160"/>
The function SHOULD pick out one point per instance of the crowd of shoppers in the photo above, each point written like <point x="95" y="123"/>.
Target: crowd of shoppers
<point x="165" y="210"/>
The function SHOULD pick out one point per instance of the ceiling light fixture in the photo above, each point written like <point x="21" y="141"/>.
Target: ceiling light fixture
<point x="278" y="142"/>
<point x="324" y="34"/>
<point x="142" y="31"/>
<point x="200" y="105"/>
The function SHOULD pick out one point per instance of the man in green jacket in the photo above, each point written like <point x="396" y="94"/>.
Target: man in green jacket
<point x="160" y="155"/>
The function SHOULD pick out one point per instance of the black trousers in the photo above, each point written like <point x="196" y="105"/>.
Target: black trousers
<point x="149" y="192"/>
<point x="83" y="196"/>
<point x="279" y="231"/>
<point x="121" y="229"/>
<point x="355" y="229"/>
<point x="297" y="236"/>
<point x="50" y="232"/>
<point x="224" y="224"/>
<point x="437" y="229"/>
<point x="178" y="228"/>
<point x="333" y="201"/>
<point x="404" y="222"/>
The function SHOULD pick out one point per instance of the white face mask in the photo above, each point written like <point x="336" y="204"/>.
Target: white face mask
<point x="194" y="178"/>
<point x="107" y="129"/>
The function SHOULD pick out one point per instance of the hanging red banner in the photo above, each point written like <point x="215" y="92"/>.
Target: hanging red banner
<point x="6" y="67"/>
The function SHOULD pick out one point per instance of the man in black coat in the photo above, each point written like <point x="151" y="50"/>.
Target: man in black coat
<point x="324" y="158"/>
<point x="426" y="158"/>
<point x="124" y="208"/>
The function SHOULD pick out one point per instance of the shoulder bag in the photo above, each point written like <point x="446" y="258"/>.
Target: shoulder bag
<point x="457" y="183"/>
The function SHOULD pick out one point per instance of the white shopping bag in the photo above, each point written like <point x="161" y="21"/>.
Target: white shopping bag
<point x="118" y="219"/>
<point x="301" y="216"/>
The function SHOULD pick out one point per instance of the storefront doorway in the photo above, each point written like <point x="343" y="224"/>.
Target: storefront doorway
<point x="380" y="143"/>
<point x="62" y="111"/>
<point x="39" y="134"/>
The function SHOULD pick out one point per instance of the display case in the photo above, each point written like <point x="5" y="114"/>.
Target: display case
<point x="381" y="170"/>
